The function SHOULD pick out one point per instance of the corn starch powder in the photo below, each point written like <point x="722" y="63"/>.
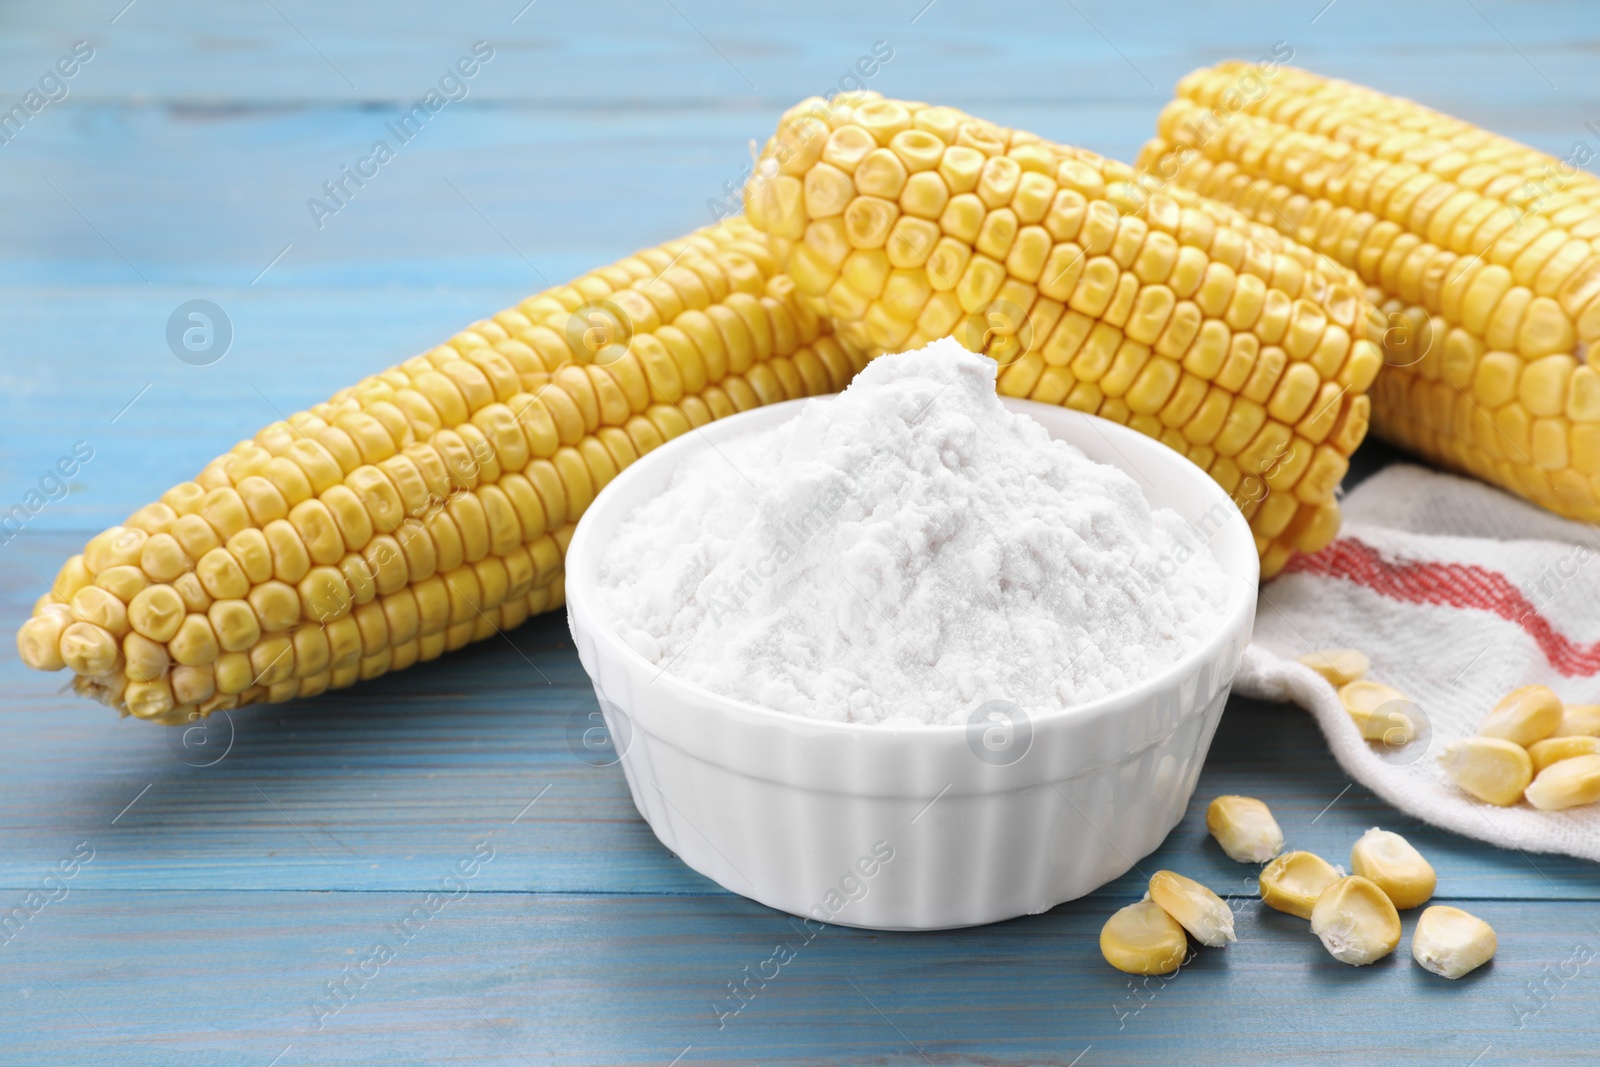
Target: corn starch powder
<point x="904" y="551"/>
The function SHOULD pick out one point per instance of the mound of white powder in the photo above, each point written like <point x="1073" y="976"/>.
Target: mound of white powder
<point x="904" y="552"/>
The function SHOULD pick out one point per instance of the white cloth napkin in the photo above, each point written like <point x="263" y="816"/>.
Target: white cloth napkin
<point x="1458" y="593"/>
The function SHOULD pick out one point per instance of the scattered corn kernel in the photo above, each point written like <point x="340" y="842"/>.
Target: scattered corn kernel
<point x="1293" y="882"/>
<point x="1555" y="749"/>
<point x="1340" y="666"/>
<point x="1490" y="768"/>
<point x="1579" y="720"/>
<point x="1388" y="861"/>
<point x="1380" y="712"/>
<point x="1450" y="942"/>
<point x="1245" y="829"/>
<point x="1356" y="921"/>
<point x="1143" y="939"/>
<point x="1198" y="910"/>
<point x="1566" y="784"/>
<point x="1524" y="716"/>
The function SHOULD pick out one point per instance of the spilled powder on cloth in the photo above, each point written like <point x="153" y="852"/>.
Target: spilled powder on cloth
<point x="903" y="552"/>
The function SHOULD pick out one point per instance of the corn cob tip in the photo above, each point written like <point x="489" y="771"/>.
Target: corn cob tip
<point x="431" y="504"/>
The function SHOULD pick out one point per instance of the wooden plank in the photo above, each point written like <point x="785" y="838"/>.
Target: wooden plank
<point x="694" y="49"/>
<point x="180" y="978"/>
<point x="220" y="899"/>
<point x="224" y="128"/>
<point x="376" y="788"/>
<point x="72" y="366"/>
<point x="485" y="194"/>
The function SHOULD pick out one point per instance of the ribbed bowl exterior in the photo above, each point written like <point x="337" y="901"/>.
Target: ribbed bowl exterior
<point x="913" y="828"/>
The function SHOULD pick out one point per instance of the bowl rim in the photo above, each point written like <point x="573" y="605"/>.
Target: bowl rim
<point x="583" y="580"/>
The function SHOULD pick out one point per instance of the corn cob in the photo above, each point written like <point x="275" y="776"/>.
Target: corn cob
<point x="429" y="505"/>
<point x="1167" y="313"/>
<point x="1483" y="255"/>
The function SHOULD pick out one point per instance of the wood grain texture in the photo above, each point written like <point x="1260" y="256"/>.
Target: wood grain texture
<point x="599" y="128"/>
<point x="183" y="978"/>
<point x="221" y="898"/>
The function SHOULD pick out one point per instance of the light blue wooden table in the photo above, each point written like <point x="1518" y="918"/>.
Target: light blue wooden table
<point x="211" y="906"/>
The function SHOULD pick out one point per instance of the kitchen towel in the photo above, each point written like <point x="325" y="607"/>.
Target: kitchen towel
<point x="1458" y="593"/>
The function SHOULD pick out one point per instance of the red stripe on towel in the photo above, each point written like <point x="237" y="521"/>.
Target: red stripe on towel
<point x="1456" y="585"/>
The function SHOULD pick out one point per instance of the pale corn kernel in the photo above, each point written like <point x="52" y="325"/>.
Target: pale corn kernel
<point x="192" y="685"/>
<point x="1380" y="712"/>
<point x="195" y="643"/>
<point x="847" y="146"/>
<point x="114" y="547"/>
<point x="865" y="271"/>
<point x="48" y="603"/>
<point x="1450" y="942"/>
<point x="1524" y="716"/>
<point x="880" y="173"/>
<point x="1390" y="862"/>
<point x="883" y="119"/>
<point x="1356" y="921"/>
<point x="1579" y="720"/>
<point x="960" y="167"/>
<point x="1566" y="784"/>
<point x="1197" y="909"/>
<point x="918" y="149"/>
<point x="1340" y="666"/>
<point x="998" y="182"/>
<point x="73" y="576"/>
<point x="272" y="660"/>
<point x="123" y="582"/>
<point x="827" y="191"/>
<point x="1293" y="882"/>
<point x="144" y="660"/>
<point x="1555" y="749"/>
<point x="924" y="196"/>
<point x="222" y="575"/>
<point x="868" y="220"/>
<point x="149" y="700"/>
<point x="157" y="612"/>
<point x="947" y="263"/>
<point x="1035" y="192"/>
<point x="1143" y="939"/>
<point x="998" y="232"/>
<point x="912" y="241"/>
<point x="233" y="673"/>
<point x="1245" y="828"/>
<point x="780" y="201"/>
<point x="1490" y="768"/>
<point x="325" y="595"/>
<point x="39" y="641"/>
<point x="235" y="624"/>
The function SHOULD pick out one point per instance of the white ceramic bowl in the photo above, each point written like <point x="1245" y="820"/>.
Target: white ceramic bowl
<point x="916" y="828"/>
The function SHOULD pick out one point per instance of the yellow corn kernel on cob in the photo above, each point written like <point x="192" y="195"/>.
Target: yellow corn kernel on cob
<point x="1167" y="313"/>
<point x="429" y="505"/>
<point x="1484" y="257"/>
